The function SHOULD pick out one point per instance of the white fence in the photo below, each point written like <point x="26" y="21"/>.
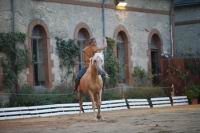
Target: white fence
<point x="73" y="108"/>
<point x="180" y="100"/>
<point x="161" y="102"/>
<point x="113" y="105"/>
<point x="138" y="103"/>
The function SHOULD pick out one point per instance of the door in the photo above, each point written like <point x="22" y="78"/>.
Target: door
<point x="155" y="66"/>
<point x="38" y="57"/>
<point x="121" y="58"/>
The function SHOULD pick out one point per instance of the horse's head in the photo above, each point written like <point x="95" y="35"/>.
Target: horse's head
<point x="98" y="60"/>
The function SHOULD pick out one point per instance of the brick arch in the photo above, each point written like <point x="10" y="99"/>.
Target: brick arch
<point x="128" y="51"/>
<point x="79" y="27"/>
<point x="159" y="45"/>
<point x="49" y="77"/>
<point x="155" y="32"/>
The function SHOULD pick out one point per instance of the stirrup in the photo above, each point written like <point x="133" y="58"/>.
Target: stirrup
<point x="107" y="76"/>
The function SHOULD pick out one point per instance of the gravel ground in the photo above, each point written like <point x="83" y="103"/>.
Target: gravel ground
<point x="182" y="119"/>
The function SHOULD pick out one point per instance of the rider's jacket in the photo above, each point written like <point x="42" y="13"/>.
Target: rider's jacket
<point x="89" y="52"/>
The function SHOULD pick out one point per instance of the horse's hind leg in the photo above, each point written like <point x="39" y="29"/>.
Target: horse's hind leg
<point x="81" y="102"/>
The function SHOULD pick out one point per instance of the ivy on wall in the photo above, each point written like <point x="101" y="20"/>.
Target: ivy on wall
<point x="16" y="58"/>
<point x="68" y="51"/>
<point x="111" y="63"/>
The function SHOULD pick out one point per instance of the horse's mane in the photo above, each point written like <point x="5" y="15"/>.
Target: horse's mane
<point x="100" y="57"/>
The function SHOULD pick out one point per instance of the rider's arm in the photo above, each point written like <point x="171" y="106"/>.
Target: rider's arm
<point x="104" y="45"/>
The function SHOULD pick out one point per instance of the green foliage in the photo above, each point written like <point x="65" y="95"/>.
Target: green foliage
<point x="111" y="94"/>
<point x="194" y="68"/>
<point x="111" y="63"/>
<point x="9" y="76"/>
<point x="139" y="72"/>
<point x="183" y="75"/>
<point x="140" y="76"/>
<point x="145" y="92"/>
<point x="16" y="57"/>
<point x="193" y="92"/>
<point x="28" y="96"/>
<point x="68" y="51"/>
<point x="8" y="41"/>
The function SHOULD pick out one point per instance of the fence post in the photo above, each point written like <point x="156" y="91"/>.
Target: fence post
<point x="172" y="94"/>
<point x="150" y="103"/>
<point x="127" y="104"/>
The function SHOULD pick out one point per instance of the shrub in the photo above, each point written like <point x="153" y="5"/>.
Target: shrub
<point x="29" y="96"/>
<point x="145" y="92"/>
<point x="111" y="94"/>
<point x="140" y="75"/>
<point x="193" y="92"/>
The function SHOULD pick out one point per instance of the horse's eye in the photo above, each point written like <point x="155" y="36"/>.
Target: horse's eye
<point x="95" y="61"/>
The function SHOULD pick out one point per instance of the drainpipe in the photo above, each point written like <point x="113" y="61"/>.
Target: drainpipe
<point x="12" y="16"/>
<point x="172" y="27"/>
<point x="103" y="17"/>
<point x="13" y="30"/>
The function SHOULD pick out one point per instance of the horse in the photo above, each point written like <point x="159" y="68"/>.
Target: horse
<point x="91" y="84"/>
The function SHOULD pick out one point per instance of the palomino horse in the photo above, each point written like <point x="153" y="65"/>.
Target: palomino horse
<point x="91" y="83"/>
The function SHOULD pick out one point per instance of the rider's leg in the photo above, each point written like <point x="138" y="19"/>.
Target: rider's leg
<point x="78" y="77"/>
<point x="103" y="76"/>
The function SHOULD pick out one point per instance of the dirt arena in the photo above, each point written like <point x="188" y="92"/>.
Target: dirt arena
<point x="182" y="119"/>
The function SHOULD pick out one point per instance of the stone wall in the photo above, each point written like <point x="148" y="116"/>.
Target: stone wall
<point x="5" y="16"/>
<point x="187" y="33"/>
<point x="61" y="20"/>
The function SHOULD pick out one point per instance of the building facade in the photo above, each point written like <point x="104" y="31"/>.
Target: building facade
<point x="143" y="32"/>
<point x="187" y="28"/>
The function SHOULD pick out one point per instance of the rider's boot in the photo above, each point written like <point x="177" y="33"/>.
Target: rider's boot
<point x="103" y="85"/>
<point x="76" y="85"/>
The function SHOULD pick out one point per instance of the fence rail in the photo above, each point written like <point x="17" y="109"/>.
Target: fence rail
<point x="73" y="108"/>
<point x="138" y="103"/>
<point x="180" y="100"/>
<point x="161" y="102"/>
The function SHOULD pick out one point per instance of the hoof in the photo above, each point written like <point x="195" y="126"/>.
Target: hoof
<point x="98" y="117"/>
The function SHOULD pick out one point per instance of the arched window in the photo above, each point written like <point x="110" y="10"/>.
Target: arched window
<point x="40" y="70"/>
<point x="83" y="37"/>
<point x="155" y="46"/>
<point x="122" y="57"/>
<point x="39" y="55"/>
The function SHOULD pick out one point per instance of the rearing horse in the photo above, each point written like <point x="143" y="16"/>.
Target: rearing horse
<point x="91" y="83"/>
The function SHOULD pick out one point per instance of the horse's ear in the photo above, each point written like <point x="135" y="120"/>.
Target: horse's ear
<point x="101" y="51"/>
<point x="102" y="54"/>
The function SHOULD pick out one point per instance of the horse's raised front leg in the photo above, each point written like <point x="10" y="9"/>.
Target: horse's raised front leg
<point x="81" y="102"/>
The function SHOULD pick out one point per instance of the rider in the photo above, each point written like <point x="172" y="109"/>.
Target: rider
<point x="89" y="52"/>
